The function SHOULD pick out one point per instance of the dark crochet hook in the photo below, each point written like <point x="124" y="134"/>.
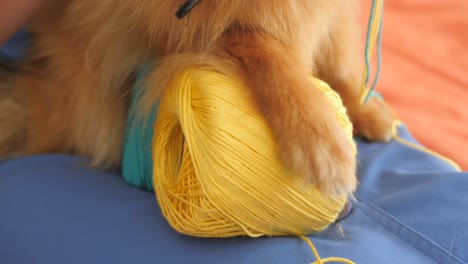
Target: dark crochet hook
<point x="186" y="8"/>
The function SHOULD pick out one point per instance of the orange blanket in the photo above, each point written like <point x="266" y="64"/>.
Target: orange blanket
<point x="424" y="73"/>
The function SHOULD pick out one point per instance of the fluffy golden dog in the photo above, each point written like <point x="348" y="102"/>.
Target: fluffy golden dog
<point x="72" y="95"/>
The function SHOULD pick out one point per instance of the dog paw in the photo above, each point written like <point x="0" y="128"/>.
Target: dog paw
<point x="320" y="152"/>
<point x="372" y="121"/>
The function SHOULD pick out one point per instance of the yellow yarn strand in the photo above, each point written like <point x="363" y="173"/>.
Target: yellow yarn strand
<point x="326" y="260"/>
<point x="216" y="170"/>
<point x="397" y="123"/>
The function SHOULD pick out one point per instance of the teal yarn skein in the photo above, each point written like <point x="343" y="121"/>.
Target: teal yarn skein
<point x="137" y="158"/>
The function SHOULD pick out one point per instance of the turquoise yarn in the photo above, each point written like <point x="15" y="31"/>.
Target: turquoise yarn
<point x="137" y="159"/>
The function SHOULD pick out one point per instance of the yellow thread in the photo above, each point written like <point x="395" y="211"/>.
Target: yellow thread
<point x="397" y="124"/>
<point x="319" y="260"/>
<point x="216" y="170"/>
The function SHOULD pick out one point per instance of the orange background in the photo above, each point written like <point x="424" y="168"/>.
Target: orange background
<point x="424" y="73"/>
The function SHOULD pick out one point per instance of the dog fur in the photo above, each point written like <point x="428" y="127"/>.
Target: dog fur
<point x="75" y="84"/>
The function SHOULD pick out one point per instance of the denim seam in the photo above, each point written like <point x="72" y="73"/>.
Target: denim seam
<point x="412" y="237"/>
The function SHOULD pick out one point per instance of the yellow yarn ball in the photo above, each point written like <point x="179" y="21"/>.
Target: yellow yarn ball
<point x="216" y="169"/>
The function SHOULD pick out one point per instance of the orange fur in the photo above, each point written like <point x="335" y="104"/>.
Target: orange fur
<point x="86" y="51"/>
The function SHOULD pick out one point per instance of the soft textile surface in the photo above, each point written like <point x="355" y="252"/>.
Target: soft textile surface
<point x="413" y="208"/>
<point x="424" y="74"/>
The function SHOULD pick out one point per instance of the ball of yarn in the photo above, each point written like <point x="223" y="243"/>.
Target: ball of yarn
<point x="216" y="170"/>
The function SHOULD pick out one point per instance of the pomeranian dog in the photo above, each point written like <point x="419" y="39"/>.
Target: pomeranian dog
<point x="72" y="94"/>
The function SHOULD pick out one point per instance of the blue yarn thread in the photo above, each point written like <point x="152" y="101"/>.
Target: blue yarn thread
<point x="379" y="49"/>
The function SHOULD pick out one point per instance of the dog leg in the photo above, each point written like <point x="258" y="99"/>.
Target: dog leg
<point x="311" y="141"/>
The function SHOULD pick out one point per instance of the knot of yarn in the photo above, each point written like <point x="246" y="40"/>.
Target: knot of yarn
<point x="216" y="170"/>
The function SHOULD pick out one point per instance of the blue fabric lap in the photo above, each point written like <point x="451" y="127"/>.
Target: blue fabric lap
<point x="412" y="209"/>
<point x="425" y="196"/>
